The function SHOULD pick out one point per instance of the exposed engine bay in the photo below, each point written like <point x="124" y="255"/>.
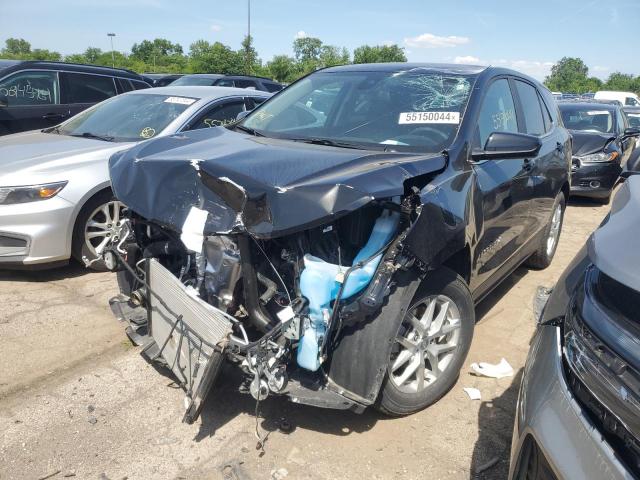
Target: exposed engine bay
<point x="284" y="300"/>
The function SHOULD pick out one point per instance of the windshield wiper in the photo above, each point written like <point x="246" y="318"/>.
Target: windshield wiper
<point x="330" y="143"/>
<point x="105" y="138"/>
<point x="248" y="130"/>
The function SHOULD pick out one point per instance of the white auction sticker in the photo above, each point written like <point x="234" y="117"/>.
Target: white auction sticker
<point x="180" y="100"/>
<point x="429" y="117"/>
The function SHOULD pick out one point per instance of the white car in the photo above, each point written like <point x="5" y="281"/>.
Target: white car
<point x="626" y="99"/>
<point x="55" y="195"/>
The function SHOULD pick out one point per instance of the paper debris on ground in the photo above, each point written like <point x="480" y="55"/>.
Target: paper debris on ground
<point x="474" y="393"/>
<point x="502" y="369"/>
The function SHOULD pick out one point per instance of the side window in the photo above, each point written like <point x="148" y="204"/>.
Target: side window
<point x="31" y="88"/>
<point x="225" y="82"/>
<point x="498" y="113"/>
<point x="245" y="83"/>
<point x="125" y="85"/>
<point x="631" y="101"/>
<point x="138" y="85"/>
<point x="633" y="119"/>
<point x="255" y="101"/>
<point x="620" y="121"/>
<point x="218" y="115"/>
<point x="546" y="115"/>
<point x="85" y="88"/>
<point x="272" y="87"/>
<point x="531" y="108"/>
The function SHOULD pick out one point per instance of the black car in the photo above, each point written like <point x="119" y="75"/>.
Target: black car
<point x="238" y="81"/>
<point x="35" y="94"/>
<point x="333" y="244"/>
<point x="161" y="79"/>
<point x="602" y="144"/>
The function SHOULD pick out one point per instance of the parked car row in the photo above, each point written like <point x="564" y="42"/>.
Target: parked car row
<point x="38" y="94"/>
<point x="55" y="195"/>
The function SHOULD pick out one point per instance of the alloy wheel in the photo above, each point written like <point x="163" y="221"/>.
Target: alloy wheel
<point x="426" y="344"/>
<point x="554" y="231"/>
<point x="104" y="225"/>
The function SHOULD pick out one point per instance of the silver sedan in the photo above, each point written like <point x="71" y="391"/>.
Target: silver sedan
<point x="55" y="196"/>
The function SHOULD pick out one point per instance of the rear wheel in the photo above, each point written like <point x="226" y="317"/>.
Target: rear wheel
<point x="430" y="347"/>
<point x="98" y="223"/>
<point x="542" y="257"/>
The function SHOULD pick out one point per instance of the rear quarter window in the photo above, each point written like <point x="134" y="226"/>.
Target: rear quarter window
<point x="87" y="88"/>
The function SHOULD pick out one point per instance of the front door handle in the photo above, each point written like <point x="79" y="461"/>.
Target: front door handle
<point x="559" y="147"/>
<point x="53" y="116"/>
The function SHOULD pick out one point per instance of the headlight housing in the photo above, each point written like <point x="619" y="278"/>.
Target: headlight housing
<point x="30" y="193"/>
<point x="600" y="157"/>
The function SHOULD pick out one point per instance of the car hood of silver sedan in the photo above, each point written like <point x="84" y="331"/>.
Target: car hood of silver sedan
<point x="33" y="157"/>
<point x="613" y="248"/>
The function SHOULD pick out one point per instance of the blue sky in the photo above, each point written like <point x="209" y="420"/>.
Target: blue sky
<point x="529" y="36"/>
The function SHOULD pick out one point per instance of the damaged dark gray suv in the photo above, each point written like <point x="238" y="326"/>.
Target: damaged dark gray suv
<point x="333" y="243"/>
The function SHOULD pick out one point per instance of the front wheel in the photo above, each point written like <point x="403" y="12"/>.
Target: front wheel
<point x="543" y="255"/>
<point x="98" y="223"/>
<point x="430" y="347"/>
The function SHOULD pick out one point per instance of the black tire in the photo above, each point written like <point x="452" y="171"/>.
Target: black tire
<point x="393" y="401"/>
<point x="542" y="257"/>
<point x="79" y="248"/>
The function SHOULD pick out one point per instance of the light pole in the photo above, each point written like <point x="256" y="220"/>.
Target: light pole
<point x="113" y="55"/>
<point x="247" y="59"/>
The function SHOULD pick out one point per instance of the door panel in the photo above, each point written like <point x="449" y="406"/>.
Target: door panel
<point x="503" y="189"/>
<point x="33" y="101"/>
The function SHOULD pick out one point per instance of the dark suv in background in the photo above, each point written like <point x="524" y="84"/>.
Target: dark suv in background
<point x="36" y="94"/>
<point x="238" y="81"/>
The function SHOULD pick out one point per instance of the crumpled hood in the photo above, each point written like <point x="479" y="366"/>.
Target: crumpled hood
<point x="585" y="143"/>
<point x="613" y="248"/>
<point x="32" y="157"/>
<point x="265" y="186"/>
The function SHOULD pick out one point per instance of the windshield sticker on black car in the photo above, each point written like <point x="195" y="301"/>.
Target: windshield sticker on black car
<point x="180" y="100"/>
<point x="147" y="132"/>
<point x="429" y="117"/>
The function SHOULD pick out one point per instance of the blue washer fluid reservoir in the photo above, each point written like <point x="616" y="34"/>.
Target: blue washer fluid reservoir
<point x="320" y="283"/>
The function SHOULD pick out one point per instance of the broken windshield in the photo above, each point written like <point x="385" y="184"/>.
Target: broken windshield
<point x="414" y="110"/>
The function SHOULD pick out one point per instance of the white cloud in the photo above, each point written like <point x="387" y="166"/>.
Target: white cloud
<point x="429" y="40"/>
<point x="537" y="69"/>
<point x="468" y="59"/>
<point x="301" y="34"/>
<point x="388" y="43"/>
<point x="601" y="68"/>
<point x="215" y="28"/>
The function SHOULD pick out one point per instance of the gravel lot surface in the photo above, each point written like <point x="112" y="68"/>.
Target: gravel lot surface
<point x="78" y="401"/>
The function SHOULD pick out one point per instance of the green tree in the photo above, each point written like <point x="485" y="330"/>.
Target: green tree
<point x="205" y="57"/>
<point x="92" y="54"/>
<point x="16" y="47"/>
<point x="252" y="64"/>
<point x="43" y="54"/>
<point x="283" y="68"/>
<point x="331" y="56"/>
<point x="620" y="82"/>
<point x="307" y="49"/>
<point x="159" y="48"/>
<point x="379" y="54"/>
<point x="568" y="75"/>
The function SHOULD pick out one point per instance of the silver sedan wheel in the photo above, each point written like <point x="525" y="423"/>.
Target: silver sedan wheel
<point x="426" y="344"/>
<point x="104" y="225"/>
<point x="554" y="231"/>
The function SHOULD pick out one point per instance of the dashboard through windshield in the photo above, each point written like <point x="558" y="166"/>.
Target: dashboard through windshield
<point x="417" y="111"/>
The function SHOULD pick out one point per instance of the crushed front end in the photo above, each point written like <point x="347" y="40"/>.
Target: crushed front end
<point x="220" y="265"/>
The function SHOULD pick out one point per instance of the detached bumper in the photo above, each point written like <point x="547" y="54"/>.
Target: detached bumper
<point x="35" y="233"/>
<point x="594" y="180"/>
<point x="548" y="414"/>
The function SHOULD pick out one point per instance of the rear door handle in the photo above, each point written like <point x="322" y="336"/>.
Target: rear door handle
<point x="53" y="116"/>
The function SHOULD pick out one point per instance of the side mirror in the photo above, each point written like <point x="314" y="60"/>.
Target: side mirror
<point x="4" y="101"/>
<point x="241" y="115"/>
<point x="631" y="132"/>
<point x="504" y="145"/>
